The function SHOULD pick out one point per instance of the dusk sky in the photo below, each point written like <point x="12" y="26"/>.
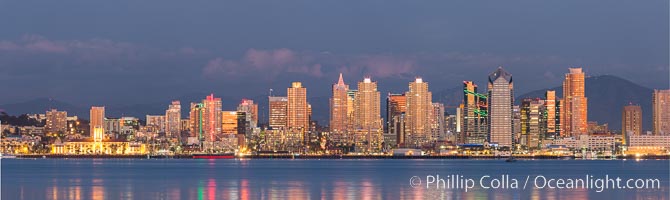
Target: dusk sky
<point x="126" y="52"/>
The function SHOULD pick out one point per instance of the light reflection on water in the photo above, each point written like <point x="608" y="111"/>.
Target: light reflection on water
<point x="301" y="179"/>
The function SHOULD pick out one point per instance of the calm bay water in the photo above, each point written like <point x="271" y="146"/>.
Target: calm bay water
<point x="307" y="179"/>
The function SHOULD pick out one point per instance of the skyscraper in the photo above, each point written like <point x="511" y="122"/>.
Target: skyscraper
<point x="473" y="115"/>
<point x="574" y="114"/>
<point x="251" y="109"/>
<point x="297" y="115"/>
<point x="396" y="106"/>
<point x="56" y="121"/>
<point x="173" y="120"/>
<point x="661" y="112"/>
<point x="419" y="109"/>
<point x="196" y="121"/>
<point x="500" y="102"/>
<point x="278" y="112"/>
<point x="339" y="110"/>
<point x="212" y="118"/>
<point x="367" y="114"/>
<point x="631" y="121"/>
<point x="532" y="123"/>
<point x="552" y="117"/>
<point x="97" y="119"/>
<point x="437" y="122"/>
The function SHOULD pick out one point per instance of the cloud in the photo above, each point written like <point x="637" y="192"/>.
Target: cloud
<point x="272" y="63"/>
<point x="264" y="63"/>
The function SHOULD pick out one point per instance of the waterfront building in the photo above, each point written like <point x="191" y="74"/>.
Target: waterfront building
<point x="574" y="104"/>
<point x="56" y="122"/>
<point x="648" y="144"/>
<point x="97" y="144"/>
<point x="661" y="112"/>
<point x="500" y="102"/>
<point x="631" y="121"/>
<point x="419" y="107"/>
<point x="593" y="143"/>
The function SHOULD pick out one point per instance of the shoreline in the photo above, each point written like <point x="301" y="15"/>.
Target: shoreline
<point x="145" y="156"/>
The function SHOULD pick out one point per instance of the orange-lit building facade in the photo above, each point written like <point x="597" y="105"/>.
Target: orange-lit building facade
<point x="297" y="109"/>
<point x="339" y="110"/>
<point x="97" y="119"/>
<point x="661" y="112"/>
<point x="574" y="104"/>
<point x="278" y="112"/>
<point x="419" y="109"/>
<point x="631" y="121"/>
<point x="367" y="116"/>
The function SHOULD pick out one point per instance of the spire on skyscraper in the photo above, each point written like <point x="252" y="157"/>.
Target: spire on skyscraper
<point x="341" y="80"/>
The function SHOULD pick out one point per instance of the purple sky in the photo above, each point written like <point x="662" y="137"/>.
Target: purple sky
<point x="126" y="52"/>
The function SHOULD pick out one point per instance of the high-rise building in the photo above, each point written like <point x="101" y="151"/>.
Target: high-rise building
<point x="552" y="117"/>
<point x="173" y="120"/>
<point x="97" y="118"/>
<point x="437" y="122"/>
<point x="212" y="118"/>
<point x="419" y="109"/>
<point x="339" y="110"/>
<point x="278" y="112"/>
<point x="396" y="107"/>
<point x="229" y="122"/>
<point x="56" y="121"/>
<point x="297" y="109"/>
<point x="367" y="114"/>
<point x="196" y="122"/>
<point x="532" y="123"/>
<point x="473" y="115"/>
<point x="631" y="121"/>
<point x="574" y="104"/>
<point x="500" y="102"/>
<point x="661" y="112"/>
<point x="156" y="123"/>
<point x="251" y="109"/>
<point x="516" y="124"/>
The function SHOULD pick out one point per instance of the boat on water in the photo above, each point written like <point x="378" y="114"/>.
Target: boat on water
<point x="3" y="156"/>
<point x="214" y="156"/>
<point x="510" y="159"/>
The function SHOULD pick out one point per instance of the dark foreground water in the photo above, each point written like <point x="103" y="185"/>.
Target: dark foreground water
<point x="314" y="179"/>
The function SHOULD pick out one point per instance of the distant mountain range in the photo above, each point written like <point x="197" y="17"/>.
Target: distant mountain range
<point x="606" y="96"/>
